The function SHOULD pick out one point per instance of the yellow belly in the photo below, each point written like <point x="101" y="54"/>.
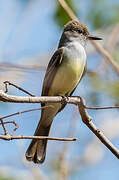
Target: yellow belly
<point x="67" y="77"/>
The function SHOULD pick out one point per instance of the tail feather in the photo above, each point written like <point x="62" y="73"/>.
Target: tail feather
<point x="37" y="149"/>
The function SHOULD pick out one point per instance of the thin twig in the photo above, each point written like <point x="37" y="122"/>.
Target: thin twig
<point x="101" y="108"/>
<point x="113" y="38"/>
<point x="25" y="111"/>
<point x="4" y="128"/>
<point x="98" y="46"/>
<point x="14" y="85"/>
<point x="18" y="113"/>
<point x="24" y="68"/>
<point x="63" y="164"/>
<point x="107" y="56"/>
<point x="10" y="137"/>
<point x="88" y="121"/>
<point x="110" y="45"/>
<point x="72" y="100"/>
<point x="11" y="122"/>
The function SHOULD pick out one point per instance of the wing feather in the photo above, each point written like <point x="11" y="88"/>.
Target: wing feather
<point x="51" y="70"/>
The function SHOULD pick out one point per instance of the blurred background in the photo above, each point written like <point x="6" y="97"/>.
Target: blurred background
<point x="29" y="34"/>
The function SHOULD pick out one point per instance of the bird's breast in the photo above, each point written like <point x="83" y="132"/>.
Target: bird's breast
<point x="70" y="70"/>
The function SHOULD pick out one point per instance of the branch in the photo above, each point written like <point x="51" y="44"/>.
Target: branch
<point x="72" y="100"/>
<point x="107" y="56"/>
<point x="10" y="137"/>
<point x="101" y="108"/>
<point x="10" y="122"/>
<point x="21" y="89"/>
<point x="43" y="99"/>
<point x="88" y="121"/>
<point x="67" y="9"/>
<point x="113" y="38"/>
<point x="104" y="52"/>
<point x="63" y="162"/>
<point x="23" y="99"/>
<point x="14" y="114"/>
<point x="25" y="111"/>
<point x="110" y="45"/>
<point x="3" y="126"/>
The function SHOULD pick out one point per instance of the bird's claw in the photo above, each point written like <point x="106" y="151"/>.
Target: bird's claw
<point x="64" y="99"/>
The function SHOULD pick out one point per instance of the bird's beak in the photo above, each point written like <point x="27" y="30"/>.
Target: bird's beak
<point x="93" y="38"/>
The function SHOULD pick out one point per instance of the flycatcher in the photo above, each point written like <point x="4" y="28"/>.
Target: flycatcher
<point x="64" y="72"/>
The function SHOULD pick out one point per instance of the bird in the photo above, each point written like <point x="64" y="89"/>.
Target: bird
<point x="65" y="70"/>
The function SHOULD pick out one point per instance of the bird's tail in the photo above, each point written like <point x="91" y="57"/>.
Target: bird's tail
<point x="37" y="149"/>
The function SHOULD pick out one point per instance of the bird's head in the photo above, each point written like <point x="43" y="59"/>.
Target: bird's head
<point x="75" y="29"/>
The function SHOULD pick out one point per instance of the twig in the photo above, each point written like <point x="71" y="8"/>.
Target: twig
<point x="101" y="108"/>
<point x="88" y="121"/>
<point x="63" y="164"/>
<point x="25" y="111"/>
<point x="10" y="137"/>
<point x="107" y="56"/>
<point x="24" y="68"/>
<point x="14" y="85"/>
<point x="98" y="46"/>
<point x="113" y="38"/>
<point x="72" y="100"/>
<point x="4" y="128"/>
<point x="18" y="113"/>
<point x="11" y="122"/>
<point x="67" y="9"/>
<point x="110" y="44"/>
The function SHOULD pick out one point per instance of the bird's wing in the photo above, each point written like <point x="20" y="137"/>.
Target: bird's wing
<point x="50" y="74"/>
<point x="51" y="70"/>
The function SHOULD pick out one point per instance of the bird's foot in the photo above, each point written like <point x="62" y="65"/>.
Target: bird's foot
<point x="64" y="99"/>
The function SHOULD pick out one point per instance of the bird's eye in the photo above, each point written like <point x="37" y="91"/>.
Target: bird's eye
<point x="80" y="31"/>
<point x="85" y="34"/>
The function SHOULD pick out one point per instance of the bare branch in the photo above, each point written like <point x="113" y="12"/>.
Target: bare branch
<point x="21" y="89"/>
<point x="72" y="100"/>
<point x="4" y="128"/>
<point x="101" y="108"/>
<point x="43" y="99"/>
<point x="67" y="9"/>
<point x="113" y="38"/>
<point x="17" y="113"/>
<point x="110" y="45"/>
<point x="107" y="56"/>
<point x="10" y="137"/>
<point x="98" y="46"/>
<point x="11" y="122"/>
<point x="25" y="111"/>
<point x="63" y="162"/>
<point x="24" y="68"/>
<point x="23" y="99"/>
<point x="88" y="121"/>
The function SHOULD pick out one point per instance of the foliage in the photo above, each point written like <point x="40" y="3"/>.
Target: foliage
<point x="3" y="177"/>
<point x="60" y="15"/>
<point x="95" y="13"/>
